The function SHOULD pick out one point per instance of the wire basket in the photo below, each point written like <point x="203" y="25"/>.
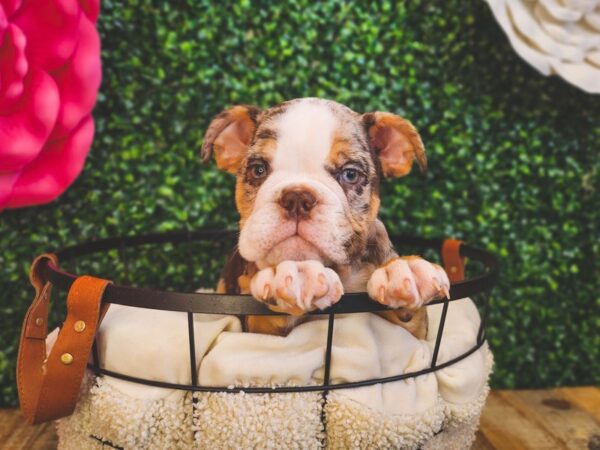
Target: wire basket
<point x="478" y="286"/>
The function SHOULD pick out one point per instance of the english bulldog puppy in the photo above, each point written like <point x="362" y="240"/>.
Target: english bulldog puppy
<point x="307" y="192"/>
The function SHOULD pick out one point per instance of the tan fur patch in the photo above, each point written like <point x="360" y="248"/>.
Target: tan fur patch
<point x="265" y="148"/>
<point x="374" y="207"/>
<point x="274" y="325"/>
<point x="398" y="144"/>
<point x="341" y="149"/>
<point x="417" y="324"/>
<point x="229" y="135"/>
<point x="245" y="194"/>
<point x="243" y="202"/>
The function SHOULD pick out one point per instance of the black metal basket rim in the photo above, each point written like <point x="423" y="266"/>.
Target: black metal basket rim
<point x="289" y="389"/>
<point x="241" y="305"/>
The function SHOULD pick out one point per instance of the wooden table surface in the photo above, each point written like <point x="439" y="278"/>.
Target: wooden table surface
<point x="565" y="418"/>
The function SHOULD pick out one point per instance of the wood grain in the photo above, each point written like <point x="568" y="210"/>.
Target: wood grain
<point x="572" y="426"/>
<point x="563" y="418"/>
<point x="481" y="442"/>
<point x="506" y="427"/>
<point x="16" y="434"/>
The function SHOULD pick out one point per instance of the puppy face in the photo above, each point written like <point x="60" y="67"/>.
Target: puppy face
<point x="308" y="176"/>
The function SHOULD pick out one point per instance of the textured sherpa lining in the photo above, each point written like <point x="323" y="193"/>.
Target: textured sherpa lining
<point x="441" y="408"/>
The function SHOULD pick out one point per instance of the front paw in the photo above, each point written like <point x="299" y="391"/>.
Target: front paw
<point x="408" y="282"/>
<point x="297" y="287"/>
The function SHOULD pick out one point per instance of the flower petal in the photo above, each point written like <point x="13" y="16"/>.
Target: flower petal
<point x="10" y="6"/>
<point x="593" y="57"/>
<point x="559" y="12"/>
<point x="52" y="30"/>
<point x="524" y="22"/>
<point x="532" y="55"/>
<point x="13" y="65"/>
<point x="91" y="8"/>
<point x="3" y="21"/>
<point x="575" y="34"/>
<point x="78" y="81"/>
<point x="593" y="19"/>
<point x="59" y="163"/>
<point x="25" y="127"/>
<point x="585" y="76"/>
<point x="7" y="181"/>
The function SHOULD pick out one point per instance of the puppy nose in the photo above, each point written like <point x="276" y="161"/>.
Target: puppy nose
<point x="297" y="203"/>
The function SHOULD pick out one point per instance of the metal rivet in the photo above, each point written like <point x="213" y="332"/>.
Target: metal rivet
<point x="79" y="326"/>
<point x="453" y="269"/>
<point x="39" y="321"/>
<point x="66" y="358"/>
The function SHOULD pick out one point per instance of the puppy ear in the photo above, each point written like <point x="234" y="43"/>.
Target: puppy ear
<point x="396" y="142"/>
<point x="229" y="134"/>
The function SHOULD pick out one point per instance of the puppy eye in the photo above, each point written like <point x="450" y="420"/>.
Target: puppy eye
<point x="257" y="170"/>
<point x="349" y="176"/>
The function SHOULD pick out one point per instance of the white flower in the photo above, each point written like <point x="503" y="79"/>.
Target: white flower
<point x="555" y="36"/>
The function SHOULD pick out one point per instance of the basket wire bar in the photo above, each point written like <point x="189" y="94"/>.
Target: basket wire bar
<point x="438" y="338"/>
<point x="328" y="347"/>
<point x="484" y="314"/>
<point x="95" y="357"/>
<point x="243" y="305"/>
<point x="327" y="371"/>
<point x="192" y="347"/>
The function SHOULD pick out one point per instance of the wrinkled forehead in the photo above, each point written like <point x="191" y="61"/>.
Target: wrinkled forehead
<point x="311" y="134"/>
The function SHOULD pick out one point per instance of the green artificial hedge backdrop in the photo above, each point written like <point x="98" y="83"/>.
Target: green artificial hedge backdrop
<point x="513" y="156"/>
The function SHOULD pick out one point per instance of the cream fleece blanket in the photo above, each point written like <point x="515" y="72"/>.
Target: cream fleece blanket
<point x="438" y="410"/>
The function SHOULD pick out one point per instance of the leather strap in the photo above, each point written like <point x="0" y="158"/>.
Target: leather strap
<point x="454" y="264"/>
<point x="49" y="387"/>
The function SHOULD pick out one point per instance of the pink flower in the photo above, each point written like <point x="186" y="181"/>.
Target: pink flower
<point x="49" y="79"/>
